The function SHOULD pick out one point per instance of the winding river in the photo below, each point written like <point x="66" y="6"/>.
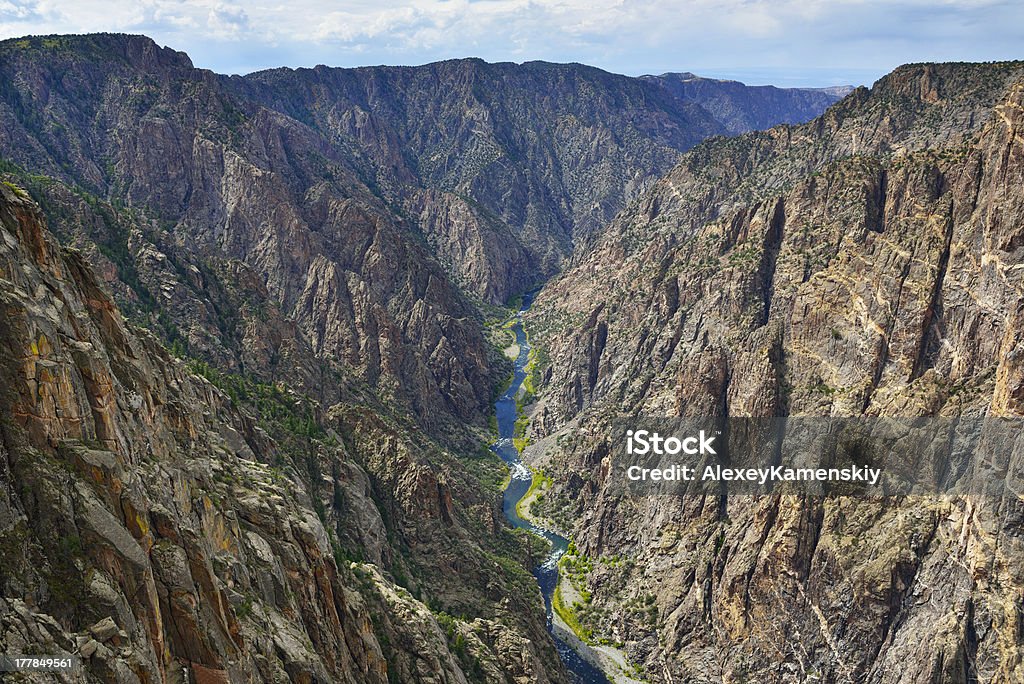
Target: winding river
<point x="582" y="672"/>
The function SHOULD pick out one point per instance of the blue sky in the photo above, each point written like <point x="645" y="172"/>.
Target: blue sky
<point x="785" y="42"/>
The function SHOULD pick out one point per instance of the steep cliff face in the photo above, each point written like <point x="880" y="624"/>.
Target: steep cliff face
<point x="741" y="108"/>
<point x="218" y="187"/>
<point x="304" y="497"/>
<point x="122" y="499"/>
<point x="869" y="262"/>
<point x="550" y="151"/>
<point x="150" y="524"/>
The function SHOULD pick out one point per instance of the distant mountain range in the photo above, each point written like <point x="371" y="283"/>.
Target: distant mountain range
<point x="741" y="108"/>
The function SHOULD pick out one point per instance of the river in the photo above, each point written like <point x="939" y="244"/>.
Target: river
<point x="581" y="671"/>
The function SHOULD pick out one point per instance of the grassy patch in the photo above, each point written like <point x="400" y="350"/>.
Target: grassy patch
<point x="539" y="483"/>
<point x="568" y="616"/>
<point x="572" y="569"/>
<point x="522" y="424"/>
<point x="18" y="191"/>
<point x="536" y="364"/>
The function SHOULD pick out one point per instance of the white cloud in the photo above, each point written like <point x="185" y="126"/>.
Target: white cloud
<point x="226" y="21"/>
<point x="16" y="10"/>
<point x="625" y="35"/>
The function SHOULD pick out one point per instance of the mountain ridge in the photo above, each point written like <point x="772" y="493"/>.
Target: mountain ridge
<point x="448" y="161"/>
<point x="533" y="194"/>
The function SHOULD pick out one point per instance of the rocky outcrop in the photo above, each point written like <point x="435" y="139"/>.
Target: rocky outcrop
<point x="486" y="257"/>
<point x="867" y="263"/>
<point x="122" y="482"/>
<point x="151" y="526"/>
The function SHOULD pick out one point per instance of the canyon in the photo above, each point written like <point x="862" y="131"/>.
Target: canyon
<point x="251" y="332"/>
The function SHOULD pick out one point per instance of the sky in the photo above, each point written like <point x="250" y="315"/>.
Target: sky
<point x="783" y="42"/>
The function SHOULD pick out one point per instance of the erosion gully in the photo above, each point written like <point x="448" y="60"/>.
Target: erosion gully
<point x="581" y="671"/>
